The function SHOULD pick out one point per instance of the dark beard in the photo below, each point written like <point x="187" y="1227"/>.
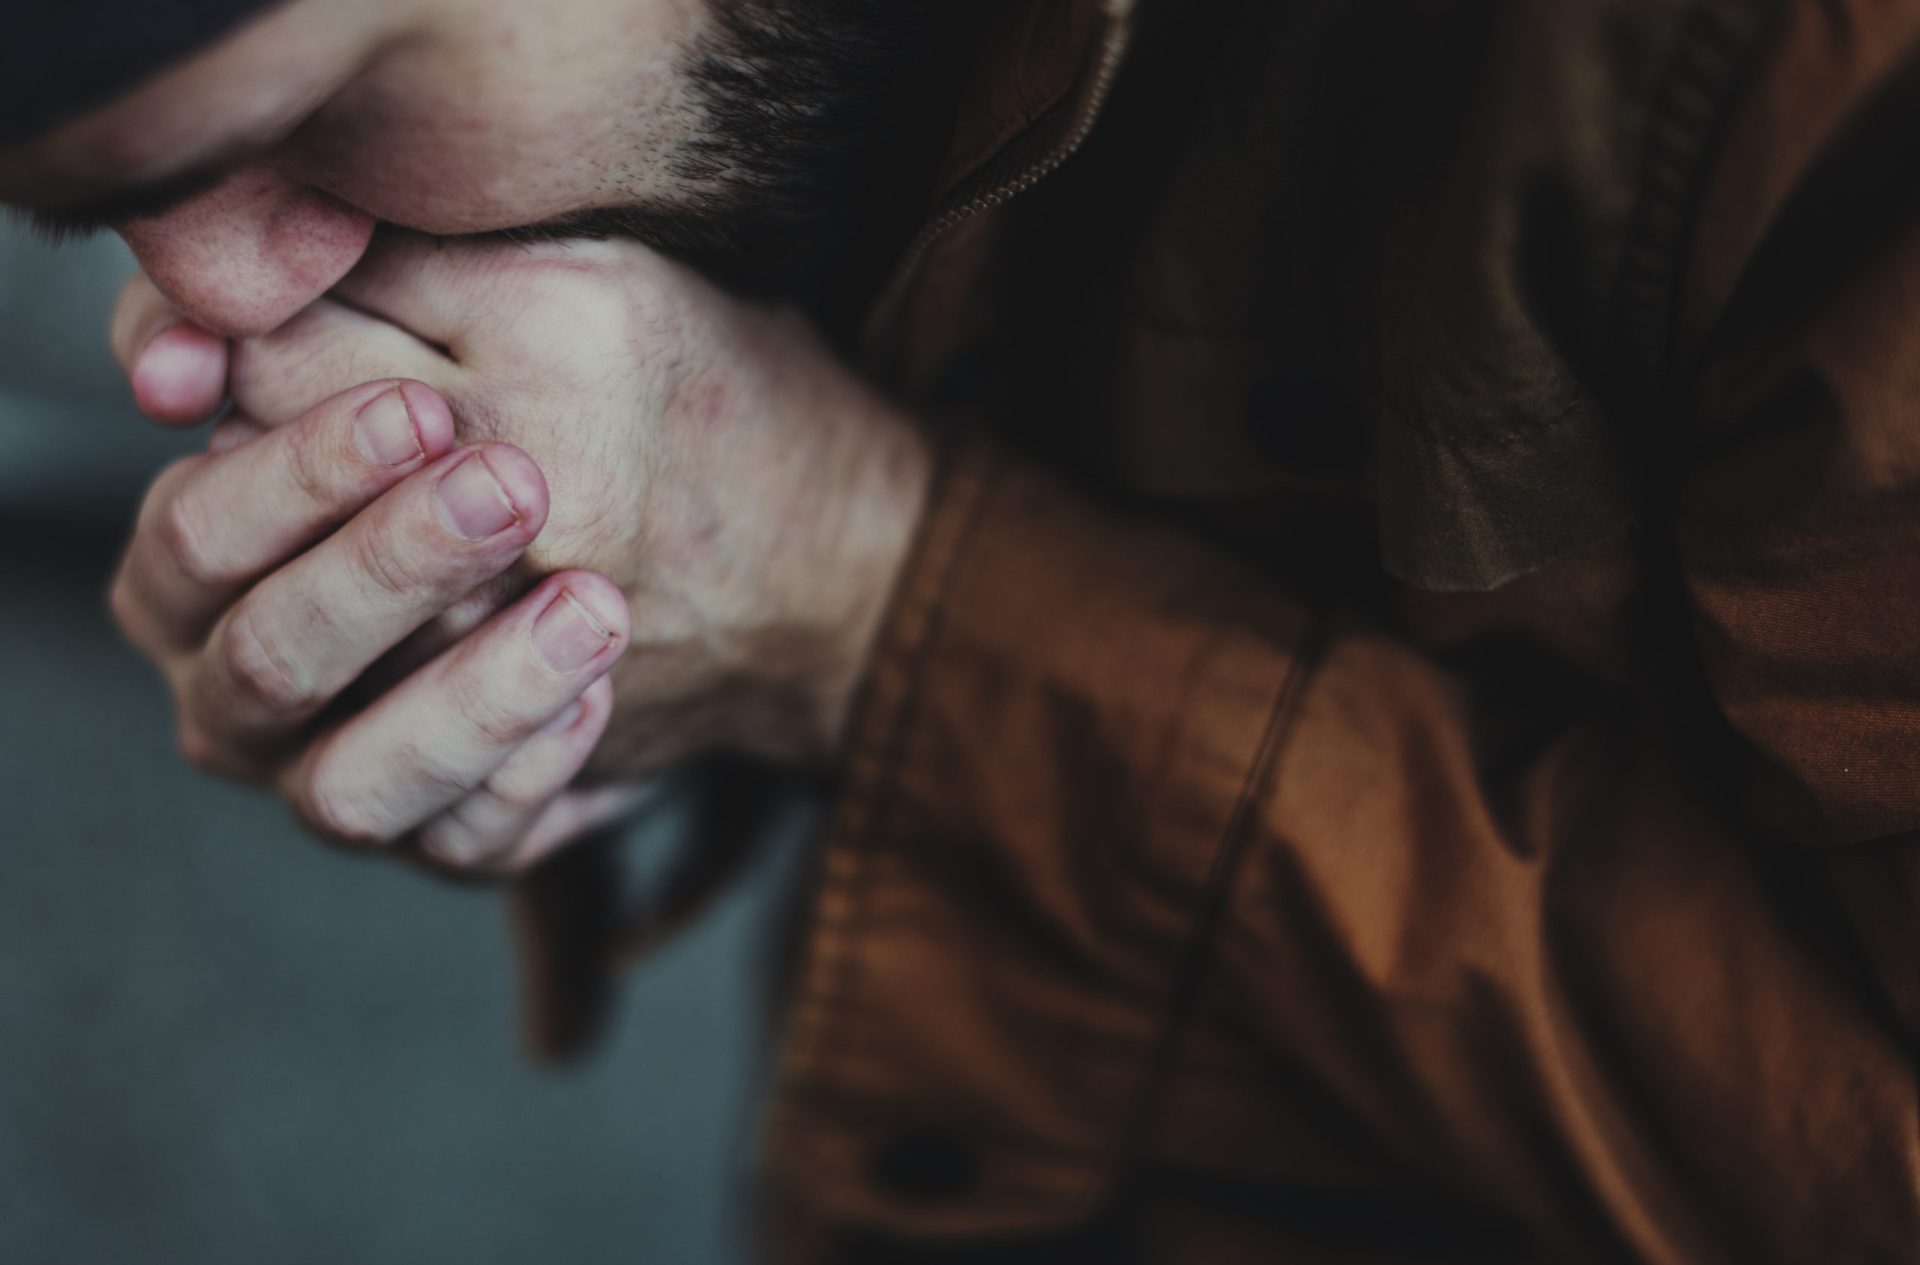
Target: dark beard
<point x="801" y="102"/>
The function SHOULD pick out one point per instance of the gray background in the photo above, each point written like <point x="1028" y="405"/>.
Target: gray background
<point x="220" y="1042"/>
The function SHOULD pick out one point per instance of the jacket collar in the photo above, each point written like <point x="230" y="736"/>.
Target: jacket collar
<point x="1036" y="88"/>
<point x="1033" y="55"/>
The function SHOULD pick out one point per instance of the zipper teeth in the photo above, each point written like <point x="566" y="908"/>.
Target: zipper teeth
<point x="1112" y="53"/>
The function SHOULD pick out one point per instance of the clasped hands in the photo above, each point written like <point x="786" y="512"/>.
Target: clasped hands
<point x="493" y="533"/>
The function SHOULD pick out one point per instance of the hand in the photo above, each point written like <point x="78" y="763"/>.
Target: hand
<point x="266" y="578"/>
<point x="751" y="497"/>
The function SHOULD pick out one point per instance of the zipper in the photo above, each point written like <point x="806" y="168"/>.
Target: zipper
<point x="1093" y="102"/>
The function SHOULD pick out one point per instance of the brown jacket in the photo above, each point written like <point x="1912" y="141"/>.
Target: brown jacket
<point x="1399" y="739"/>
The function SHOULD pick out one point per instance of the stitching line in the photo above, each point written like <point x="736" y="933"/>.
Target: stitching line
<point x="1197" y="958"/>
<point x="833" y="984"/>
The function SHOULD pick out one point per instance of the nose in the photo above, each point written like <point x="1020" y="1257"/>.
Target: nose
<point x="242" y="257"/>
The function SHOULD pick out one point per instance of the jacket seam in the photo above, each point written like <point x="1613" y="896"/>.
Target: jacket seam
<point x="1197" y="956"/>
<point x="838" y="982"/>
<point x="1435" y="437"/>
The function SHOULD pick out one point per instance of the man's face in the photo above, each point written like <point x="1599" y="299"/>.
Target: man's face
<point x="250" y="178"/>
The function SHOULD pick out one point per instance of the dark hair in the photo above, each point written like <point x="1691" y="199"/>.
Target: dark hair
<point x="61" y="58"/>
<point x="799" y="101"/>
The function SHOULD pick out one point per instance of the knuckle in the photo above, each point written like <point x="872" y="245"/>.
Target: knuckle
<point x="260" y="669"/>
<point x="165" y="487"/>
<point x="190" y="541"/>
<point x="309" y="466"/>
<point x="336" y="806"/>
<point x="492" y="719"/>
<point x="520" y="795"/>
<point x="450" y="842"/>
<point x="383" y="557"/>
<point x="525" y="787"/>
<point x="424" y="767"/>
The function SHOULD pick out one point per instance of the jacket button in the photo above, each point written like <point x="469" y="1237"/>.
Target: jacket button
<point x="924" y="1168"/>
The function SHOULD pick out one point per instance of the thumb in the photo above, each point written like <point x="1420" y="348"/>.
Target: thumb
<point x="178" y="372"/>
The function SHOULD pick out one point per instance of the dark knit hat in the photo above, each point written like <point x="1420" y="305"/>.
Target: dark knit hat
<point x="60" y="58"/>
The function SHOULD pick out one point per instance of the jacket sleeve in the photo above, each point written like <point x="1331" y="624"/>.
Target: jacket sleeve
<point x="1143" y="864"/>
<point x="1140" y="863"/>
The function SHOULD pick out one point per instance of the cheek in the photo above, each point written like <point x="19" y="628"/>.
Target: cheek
<point x="455" y="162"/>
<point x="467" y="180"/>
<point x="501" y="126"/>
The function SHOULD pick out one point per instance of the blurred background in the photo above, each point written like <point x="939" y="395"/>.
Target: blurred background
<point x="221" y="1042"/>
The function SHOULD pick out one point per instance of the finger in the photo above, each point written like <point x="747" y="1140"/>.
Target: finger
<point x="218" y="522"/>
<point x="568" y="817"/>
<point x="303" y="634"/>
<point x="233" y="431"/>
<point x="178" y="372"/>
<point x="444" y="731"/>
<point x="325" y="348"/>
<point x="428" y="285"/>
<point x="427" y="642"/>
<point x="434" y="286"/>
<point x="139" y="312"/>
<point x="486" y="826"/>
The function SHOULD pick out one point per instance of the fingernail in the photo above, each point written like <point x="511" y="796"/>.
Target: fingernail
<point x="385" y="432"/>
<point x="474" y="503"/>
<point x="564" y="721"/>
<point x="567" y="635"/>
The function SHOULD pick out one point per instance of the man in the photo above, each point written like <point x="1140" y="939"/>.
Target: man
<point x="1369" y="651"/>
